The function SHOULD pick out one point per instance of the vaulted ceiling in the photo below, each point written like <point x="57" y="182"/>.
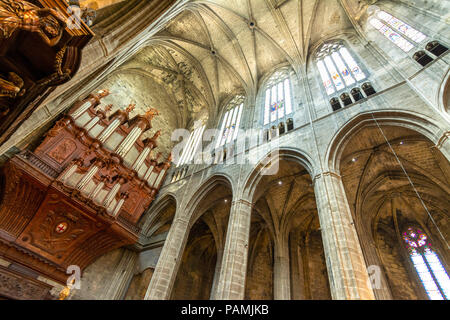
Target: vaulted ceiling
<point x="215" y="49"/>
<point x="286" y="201"/>
<point x="376" y="185"/>
<point x="106" y="11"/>
<point x="98" y="4"/>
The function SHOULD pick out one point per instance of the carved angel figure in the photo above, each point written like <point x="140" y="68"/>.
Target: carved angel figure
<point x="19" y="14"/>
<point x="130" y="107"/>
<point x="95" y="98"/>
<point x="156" y="135"/>
<point x="151" y="113"/>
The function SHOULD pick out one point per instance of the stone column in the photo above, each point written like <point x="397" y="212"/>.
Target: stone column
<point x="118" y="285"/>
<point x="281" y="279"/>
<point x="380" y="285"/>
<point x="347" y="270"/>
<point x="233" y="271"/>
<point x="216" y="274"/>
<point x="296" y="271"/>
<point x="166" y="269"/>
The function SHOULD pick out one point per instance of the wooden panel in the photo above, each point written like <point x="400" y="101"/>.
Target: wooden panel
<point x="35" y="62"/>
<point x="57" y="228"/>
<point x="20" y="287"/>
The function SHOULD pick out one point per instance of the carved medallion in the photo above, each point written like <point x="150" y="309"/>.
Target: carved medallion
<point x="61" y="227"/>
<point x="63" y="150"/>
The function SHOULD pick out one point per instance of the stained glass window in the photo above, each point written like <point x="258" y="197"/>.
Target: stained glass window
<point x="278" y="100"/>
<point x="427" y="264"/>
<point x="396" y="30"/>
<point x="192" y="145"/>
<point x="402" y="27"/>
<point x="337" y="68"/>
<point x="231" y="121"/>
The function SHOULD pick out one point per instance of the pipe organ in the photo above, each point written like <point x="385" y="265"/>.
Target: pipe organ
<point x="82" y="191"/>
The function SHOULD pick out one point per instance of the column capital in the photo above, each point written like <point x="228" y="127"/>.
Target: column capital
<point x="242" y="201"/>
<point x="326" y="173"/>
<point x="445" y="136"/>
<point x="181" y="220"/>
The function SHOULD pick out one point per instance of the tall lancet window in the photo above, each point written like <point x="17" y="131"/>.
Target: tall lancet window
<point x="231" y="121"/>
<point x="192" y="146"/>
<point x="337" y="67"/>
<point x="278" y="97"/>
<point x="397" y="31"/>
<point x="427" y="264"/>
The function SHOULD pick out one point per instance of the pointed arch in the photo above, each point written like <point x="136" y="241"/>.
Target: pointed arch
<point x="414" y="121"/>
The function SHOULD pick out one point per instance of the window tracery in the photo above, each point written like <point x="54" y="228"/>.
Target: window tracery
<point x="277" y="97"/>
<point x="231" y="121"/>
<point x="427" y="264"/>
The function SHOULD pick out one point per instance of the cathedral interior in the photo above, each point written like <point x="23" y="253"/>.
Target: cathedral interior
<point x="224" y="149"/>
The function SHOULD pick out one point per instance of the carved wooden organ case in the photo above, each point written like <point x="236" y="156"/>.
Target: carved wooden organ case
<point x="40" y="48"/>
<point x="82" y="191"/>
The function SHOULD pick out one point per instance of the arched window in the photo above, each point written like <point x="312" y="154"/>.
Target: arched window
<point x="427" y="264"/>
<point x="436" y="48"/>
<point x="192" y="145"/>
<point x="338" y="69"/>
<point x="231" y="120"/>
<point x="400" y="33"/>
<point x="278" y="98"/>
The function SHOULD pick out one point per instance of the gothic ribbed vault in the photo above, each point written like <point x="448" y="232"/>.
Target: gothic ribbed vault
<point x="215" y="49"/>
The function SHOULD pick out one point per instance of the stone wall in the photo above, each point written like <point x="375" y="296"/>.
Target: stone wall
<point x="107" y="278"/>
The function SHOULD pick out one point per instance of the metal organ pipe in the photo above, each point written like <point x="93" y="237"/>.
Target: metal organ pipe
<point x="152" y="178"/>
<point x="81" y="185"/>
<point x="160" y="177"/>
<point x="97" y="189"/>
<point x="92" y="123"/>
<point x="153" y="175"/>
<point x="118" y="206"/>
<point x="140" y="160"/>
<point x="110" y="196"/>
<point x="82" y="109"/>
<point x="68" y="173"/>
<point x="128" y="142"/>
<point x="109" y="130"/>
<point x="149" y="172"/>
